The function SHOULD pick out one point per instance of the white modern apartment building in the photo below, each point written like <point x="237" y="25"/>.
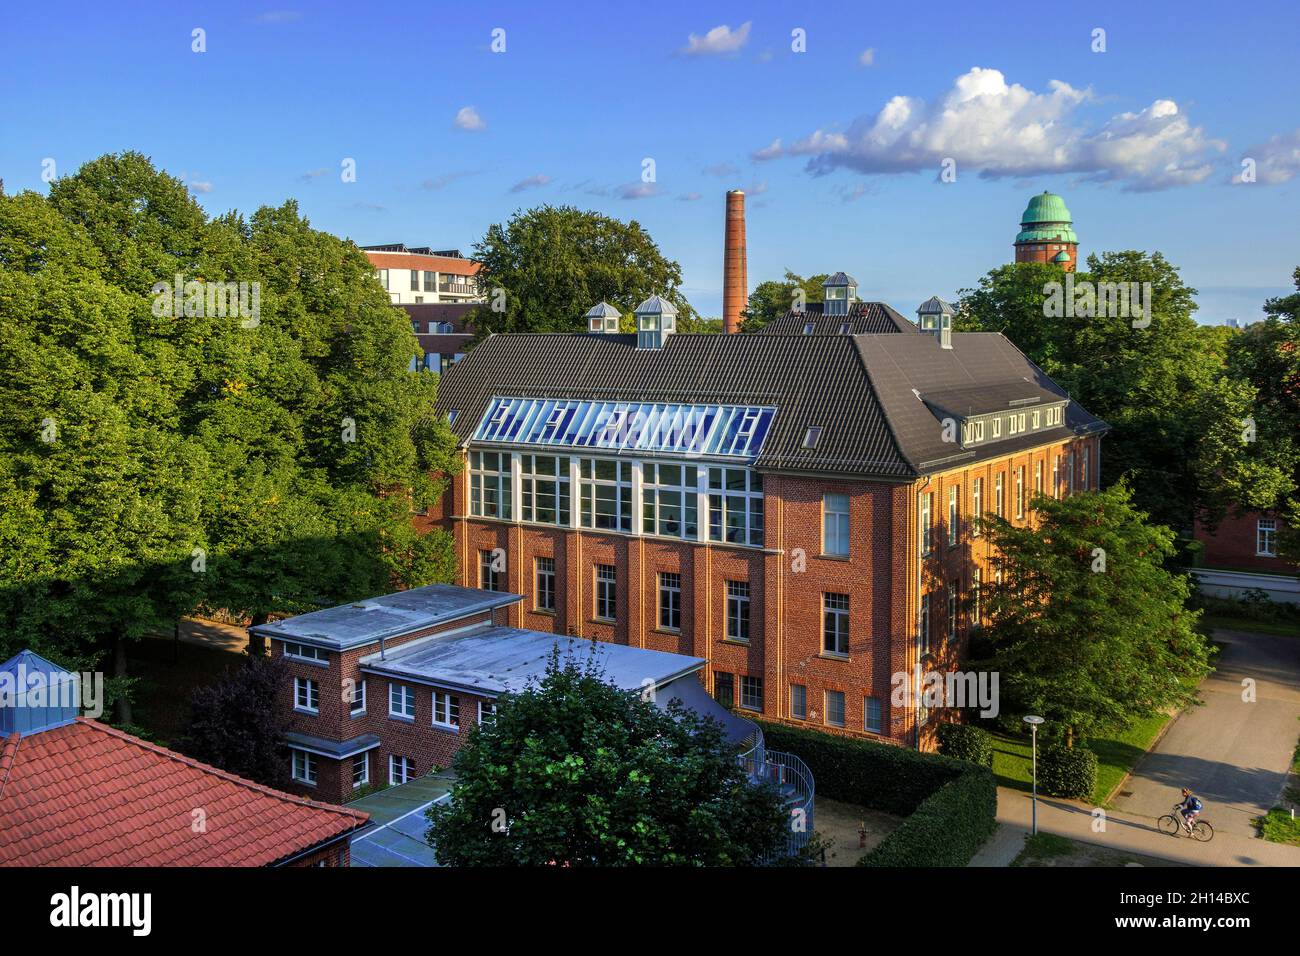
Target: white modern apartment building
<point x="419" y="275"/>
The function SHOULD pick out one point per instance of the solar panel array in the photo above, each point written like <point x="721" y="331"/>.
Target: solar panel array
<point x="735" y="431"/>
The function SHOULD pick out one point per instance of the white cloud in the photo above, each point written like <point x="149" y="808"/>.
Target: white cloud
<point x="690" y="197"/>
<point x="721" y="40"/>
<point x="1001" y="129"/>
<point x="637" y="190"/>
<point x="1277" y="161"/>
<point x="467" y="118"/>
<point x="771" y="151"/>
<point x="201" y="187"/>
<point x="531" y="182"/>
<point x="867" y="57"/>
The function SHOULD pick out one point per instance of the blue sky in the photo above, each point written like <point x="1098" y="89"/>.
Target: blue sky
<point x="1143" y="139"/>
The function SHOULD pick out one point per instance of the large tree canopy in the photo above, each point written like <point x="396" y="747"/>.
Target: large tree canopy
<point x="1178" y="418"/>
<point x="553" y="263"/>
<point x="1086" y="627"/>
<point x="576" y="772"/>
<point x="151" y="461"/>
<point x="772" y="299"/>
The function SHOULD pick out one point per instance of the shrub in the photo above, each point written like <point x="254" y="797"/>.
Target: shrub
<point x="966" y="742"/>
<point x="950" y="805"/>
<point x="1067" y="772"/>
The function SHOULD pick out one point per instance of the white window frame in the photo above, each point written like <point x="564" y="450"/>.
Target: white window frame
<point x="867" y="701"/>
<point x="364" y="757"/>
<point x="305" y="652"/>
<point x="683" y="496"/>
<point x="539" y="573"/>
<point x="755" y="685"/>
<point x="407" y="694"/>
<point x="358" y="702"/>
<point x="954" y="516"/>
<point x="841" y="616"/>
<point x="1266" y="537"/>
<point x="446" y="710"/>
<point x="604" y="592"/>
<point x="312" y="695"/>
<point x="408" y="770"/>
<point x="486" y="708"/>
<point x="844" y="708"/>
<point x="976" y="507"/>
<point x="835" y="525"/>
<point x="795" y="711"/>
<point x="308" y="773"/>
<point x="923" y="525"/>
<point x="670" y="586"/>
<point x="498" y="480"/>
<point x="737" y="599"/>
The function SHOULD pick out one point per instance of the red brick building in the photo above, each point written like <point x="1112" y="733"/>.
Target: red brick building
<point x="797" y="507"/>
<point x="75" y="792"/>
<point x="1047" y="233"/>
<point x="383" y="690"/>
<point x="1245" y="541"/>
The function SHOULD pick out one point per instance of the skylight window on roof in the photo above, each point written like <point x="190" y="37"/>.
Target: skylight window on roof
<point x="452" y="416"/>
<point x="719" y="430"/>
<point x="812" y="436"/>
<point x="844" y="328"/>
<point x="808" y="328"/>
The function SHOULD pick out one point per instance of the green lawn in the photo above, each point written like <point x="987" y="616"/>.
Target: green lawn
<point x="1115" y="756"/>
<point x="1230" y="622"/>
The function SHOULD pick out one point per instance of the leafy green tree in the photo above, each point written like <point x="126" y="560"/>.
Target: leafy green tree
<point x="1087" y="628"/>
<point x="155" y="461"/>
<point x="553" y="263"/>
<point x="1176" y="415"/>
<point x="576" y="772"/>
<point x="238" y="723"/>
<point x="1265" y="357"/>
<point x="772" y="299"/>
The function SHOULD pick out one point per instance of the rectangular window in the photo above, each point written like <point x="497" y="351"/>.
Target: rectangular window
<point x="924" y="525"/>
<point x="835" y="708"/>
<point x="1020" y="492"/>
<point x="446" y="709"/>
<point x="998" y="503"/>
<point x="738" y="611"/>
<point x="489" y="569"/>
<point x="923" y="626"/>
<point x="977" y="597"/>
<point x="605" y="492"/>
<point x="835" y="525"/>
<point x="670" y="600"/>
<point x="606" y="592"/>
<point x="670" y="500"/>
<point x="1266" y="537"/>
<point x="487" y="710"/>
<point x="306" y="695"/>
<point x="544" y="489"/>
<point x="736" y="506"/>
<point x="1069" y="472"/>
<point x="1087" y="471"/>
<point x="1037" y="418"/>
<point x="304" y="767"/>
<point x="724" y="690"/>
<point x="415" y="280"/>
<point x="1056" y="476"/>
<point x="954" y="516"/>
<point x="952" y="611"/>
<point x="383" y="278"/>
<point x="871" y="715"/>
<point x="751" y="693"/>
<point x="995" y="427"/>
<point x="1012" y="427"/>
<point x="360" y="771"/>
<point x="976" y="507"/>
<point x="401" y="701"/>
<point x="304" y="652"/>
<point x="1038" y="478"/>
<point x="544" y="592"/>
<point x="358" y="699"/>
<point x="429" y="282"/>
<point x="798" y="701"/>
<point x="400" y="769"/>
<point x="489" y="484"/>
<point x="835" y="624"/>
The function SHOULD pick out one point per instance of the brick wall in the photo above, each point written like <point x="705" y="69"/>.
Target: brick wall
<point x="1233" y="544"/>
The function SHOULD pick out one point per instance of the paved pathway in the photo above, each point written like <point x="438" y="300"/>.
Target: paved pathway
<point x="1233" y="753"/>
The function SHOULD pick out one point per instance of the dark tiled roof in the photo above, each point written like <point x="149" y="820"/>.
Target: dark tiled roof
<point x="86" y="794"/>
<point x="864" y="318"/>
<point x="858" y="389"/>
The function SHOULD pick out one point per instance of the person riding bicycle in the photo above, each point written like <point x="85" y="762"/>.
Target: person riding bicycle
<point x="1189" y="808"/>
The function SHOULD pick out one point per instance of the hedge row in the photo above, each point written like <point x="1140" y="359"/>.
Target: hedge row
<point x="950" y="805"/>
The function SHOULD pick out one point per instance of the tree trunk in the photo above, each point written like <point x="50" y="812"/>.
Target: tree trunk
<point x="1069" y="738"/>
<point x="256" y="645"/>
<point x="119" y="670"/>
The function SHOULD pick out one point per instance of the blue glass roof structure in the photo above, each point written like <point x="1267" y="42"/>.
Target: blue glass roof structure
<point x="727" y="431"/>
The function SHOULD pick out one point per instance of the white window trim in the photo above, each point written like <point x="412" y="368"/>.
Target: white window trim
<point x="446" y="698"/>
<point x="357" y="709"/>
<point x="309" y="684"/>
<point x="401" y="714"/>
<point x="309" y="773"/>
<point x="365" y="777"/>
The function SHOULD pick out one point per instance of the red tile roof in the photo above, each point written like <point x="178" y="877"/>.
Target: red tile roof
<point x="86" y="794"/>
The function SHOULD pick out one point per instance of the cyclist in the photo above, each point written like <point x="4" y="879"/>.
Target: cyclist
<point x="1189" y="808"/>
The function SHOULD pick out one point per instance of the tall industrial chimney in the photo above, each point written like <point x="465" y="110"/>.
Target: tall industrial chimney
<point x="735" y="280"/>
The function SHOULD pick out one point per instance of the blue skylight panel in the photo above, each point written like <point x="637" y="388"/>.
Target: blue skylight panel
<point x="652" y="427"/>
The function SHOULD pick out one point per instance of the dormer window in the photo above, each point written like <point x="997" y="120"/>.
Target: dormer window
<point x="812" y="436"/>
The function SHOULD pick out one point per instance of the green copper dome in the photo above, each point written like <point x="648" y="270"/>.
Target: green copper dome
<point x="1046" y="220"/>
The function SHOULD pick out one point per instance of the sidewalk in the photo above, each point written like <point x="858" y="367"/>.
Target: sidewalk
<point x="1124" y="832"/>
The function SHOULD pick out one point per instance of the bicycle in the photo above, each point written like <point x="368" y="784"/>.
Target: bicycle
<point x="1172" y="825"/>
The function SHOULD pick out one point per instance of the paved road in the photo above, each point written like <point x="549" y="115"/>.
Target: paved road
<point x="1234" y="754"/>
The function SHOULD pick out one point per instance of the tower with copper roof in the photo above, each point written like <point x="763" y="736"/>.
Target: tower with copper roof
<point x="1047" y="233"/>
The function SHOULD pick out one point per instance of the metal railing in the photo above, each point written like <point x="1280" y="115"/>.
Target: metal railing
<point x="791" y="777"/>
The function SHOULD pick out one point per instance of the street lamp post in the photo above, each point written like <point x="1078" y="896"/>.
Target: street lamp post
<point x="1033" y="723"/>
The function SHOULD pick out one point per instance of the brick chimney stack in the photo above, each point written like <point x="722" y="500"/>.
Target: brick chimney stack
<point x="735" y="280"/>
